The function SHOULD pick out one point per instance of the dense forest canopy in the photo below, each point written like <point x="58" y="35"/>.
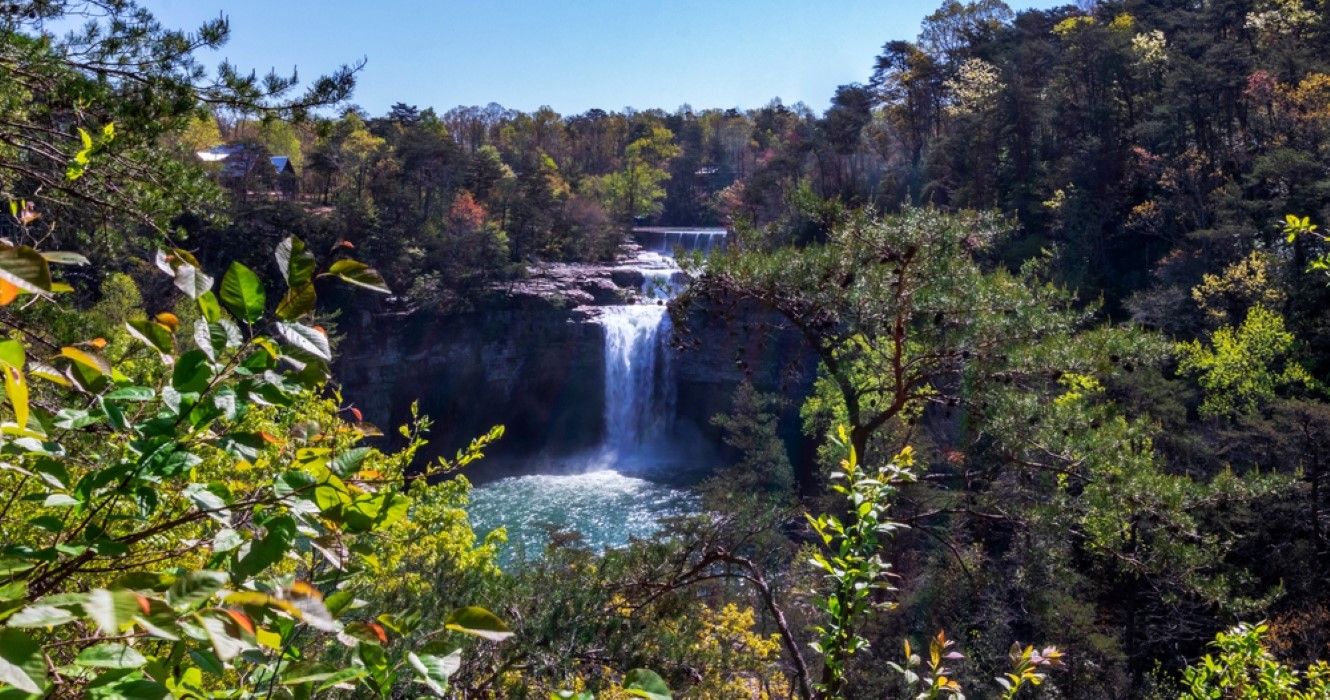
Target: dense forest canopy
<point x="1064" y="274"/>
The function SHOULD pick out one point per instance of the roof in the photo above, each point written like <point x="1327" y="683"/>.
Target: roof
<point x="238" y="159"/>
<point x="216" y="154"/>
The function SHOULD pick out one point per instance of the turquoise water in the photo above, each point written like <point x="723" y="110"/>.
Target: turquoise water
<point x="607" y="508"/>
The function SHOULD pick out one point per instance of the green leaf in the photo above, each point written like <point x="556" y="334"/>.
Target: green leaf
<point x="113" y="611"/>
<point x="307" y="673"/>
<point x="41" y="616"/>
<point x="226" y="540"/>
<point x="348" y="461"/>
<point x="64" y="257"/>
<point x="296" y="263"/>
<point x="208" y="306"/>
<point x="61" y="500"/>
<point x="338" y="600"/>
<point x="132" y="393"/>
<point x="207" y="661"/>
<point x="434" y="671"/>
<point x="154" y="335"/>
<point x="131" y="687"/>
<point x="111" y="656"/>
<point x="192" y="373"/>
<point x="12" y="354"/>
<point x="281" y="532"/>
<point x="308" y="340"/>
<point x="204" y="498"/>
<point x="297" y="302"/>
<point x="478" y="622"/>
<point x="25" y="268"/>
<point x="343" y="676"/>
<point x="644" y="683"/>
<point x="9" y="567"/>
<point x="195" y="587"/>
<point x="359" y="274"/>
<point x="242" y="293"/>
<point x="21" y="663"/>
<point x="16" y="590"/>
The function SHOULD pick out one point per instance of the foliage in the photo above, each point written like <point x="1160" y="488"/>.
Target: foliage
<point x="102" y="95"/>
<point x="852" y="562"/>
<point x="173" y="518"/>
<point x="1243" y="667"/>
<point x="1295" y="228"/>
<point x="1227" y="297"/>
<point x="1240" y="369"/>
<point x="636" y="190"/>
<point x="751" y="428"/>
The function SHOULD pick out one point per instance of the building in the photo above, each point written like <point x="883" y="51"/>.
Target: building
<point x="248" y="169"/>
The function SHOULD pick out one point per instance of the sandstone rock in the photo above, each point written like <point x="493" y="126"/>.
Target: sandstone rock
<point x="627" y="277"/>
<point x="602" y="289"/>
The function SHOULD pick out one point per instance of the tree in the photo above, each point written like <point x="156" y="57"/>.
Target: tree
<point x="956" y="26"/>
<point x="899" y="311"/>
<point x="60" y="96"/>
<point x="636" y="189"/>
<point x="1240" y="369"/>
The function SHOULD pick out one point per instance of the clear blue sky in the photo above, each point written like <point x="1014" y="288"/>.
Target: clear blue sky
<point x="569" y="54"/>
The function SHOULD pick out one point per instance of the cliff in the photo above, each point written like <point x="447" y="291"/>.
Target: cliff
<point x="533" y="360"/>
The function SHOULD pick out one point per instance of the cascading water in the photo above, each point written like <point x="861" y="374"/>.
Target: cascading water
<point x="667" y="240"/>
<point x="639" y="371"/>
<point x="639" y="386"/>
<point x="598" y="499"/>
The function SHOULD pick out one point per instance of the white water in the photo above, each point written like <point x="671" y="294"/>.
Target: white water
<point x="668" y="240"/>
<point x="639" y="369"/>
<point x="639" y="383"/>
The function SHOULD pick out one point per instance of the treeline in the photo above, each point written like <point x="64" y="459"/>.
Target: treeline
<point x="1115" y="137"/>
<point x="1164" y="166"/>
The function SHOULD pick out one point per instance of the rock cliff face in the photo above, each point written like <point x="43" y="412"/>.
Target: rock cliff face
<point x="534" y="369"/>
<point x="533" y="360"/>
<point x="721" y="348"/>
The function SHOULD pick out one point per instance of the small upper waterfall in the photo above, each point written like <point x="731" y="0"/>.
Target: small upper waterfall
<point x="667" y="240"/>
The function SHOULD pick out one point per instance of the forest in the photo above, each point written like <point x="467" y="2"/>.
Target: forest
<point x="1061" y="278"/>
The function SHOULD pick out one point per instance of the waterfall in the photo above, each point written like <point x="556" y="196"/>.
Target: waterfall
<point x="667" y="240"/>
<point x="608" y="494"/>
<point x="639" y="376"/>
<point x="639" y="372"/>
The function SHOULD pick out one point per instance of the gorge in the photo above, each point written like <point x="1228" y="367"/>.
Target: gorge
<point x="608" y="418"/>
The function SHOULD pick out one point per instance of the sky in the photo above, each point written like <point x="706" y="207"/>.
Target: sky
<point x="571" y="55"/>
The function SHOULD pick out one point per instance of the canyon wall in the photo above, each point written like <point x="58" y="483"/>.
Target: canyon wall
<point x="533" y="359"/>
